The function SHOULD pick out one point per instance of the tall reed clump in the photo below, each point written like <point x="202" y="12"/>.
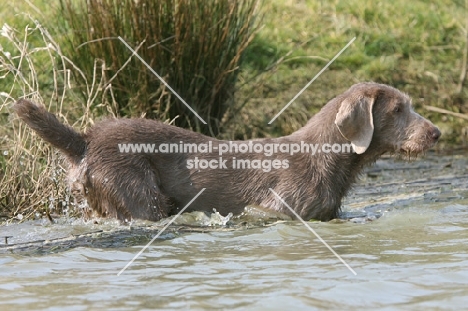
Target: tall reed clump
<point x="195" y="45"/>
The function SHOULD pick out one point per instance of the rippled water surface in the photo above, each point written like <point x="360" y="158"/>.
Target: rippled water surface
<point x="405" y="234"/>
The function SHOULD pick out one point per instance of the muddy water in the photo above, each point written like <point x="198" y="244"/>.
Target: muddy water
<point x="404" y="232"/>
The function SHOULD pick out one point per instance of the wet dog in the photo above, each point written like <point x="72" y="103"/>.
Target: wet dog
<point x="371" y="118"/>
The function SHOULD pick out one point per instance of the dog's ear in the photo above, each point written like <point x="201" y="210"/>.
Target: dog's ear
<point x="354" y="120"/>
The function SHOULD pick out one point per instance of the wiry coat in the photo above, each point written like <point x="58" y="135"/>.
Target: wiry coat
<point x="374" y="118"/>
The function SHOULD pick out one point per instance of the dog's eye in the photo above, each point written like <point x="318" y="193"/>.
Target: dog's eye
<point x="397" y="109"/>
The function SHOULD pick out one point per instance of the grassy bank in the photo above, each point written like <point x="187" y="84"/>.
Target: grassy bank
<point x="418" y="47"/>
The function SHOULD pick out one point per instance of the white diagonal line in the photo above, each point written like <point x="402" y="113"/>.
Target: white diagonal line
<point x="160" y="78"/>
<point x="311" y="81"/>
<point x="315" y="233"/>
<point x="159" y="233"/>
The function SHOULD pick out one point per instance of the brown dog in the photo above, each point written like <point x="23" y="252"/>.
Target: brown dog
<point x="152" y="184"/>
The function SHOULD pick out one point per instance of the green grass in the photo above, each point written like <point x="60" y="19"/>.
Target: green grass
<point x="416" y="46"/>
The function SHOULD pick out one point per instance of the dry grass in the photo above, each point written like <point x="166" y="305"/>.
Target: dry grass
<point x="32" y="175"/>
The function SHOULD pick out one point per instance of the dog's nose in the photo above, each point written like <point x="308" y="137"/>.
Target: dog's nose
<point x="435" y="133"/>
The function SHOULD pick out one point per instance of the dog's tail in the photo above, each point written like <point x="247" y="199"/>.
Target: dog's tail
<point x="46" y="125"/>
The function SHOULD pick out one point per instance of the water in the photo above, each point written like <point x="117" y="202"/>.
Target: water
<point x="407" y="240"/>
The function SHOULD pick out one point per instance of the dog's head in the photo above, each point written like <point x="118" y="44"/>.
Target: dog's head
<point x="372" y="114"/>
